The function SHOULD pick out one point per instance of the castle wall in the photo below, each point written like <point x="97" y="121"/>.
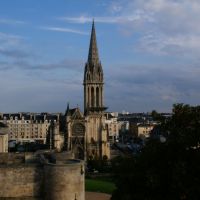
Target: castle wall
<point x="36" y="177"/>
<point x="20" y="181"/>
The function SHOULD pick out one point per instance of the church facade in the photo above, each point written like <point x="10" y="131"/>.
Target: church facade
<point x="87" y="134"/>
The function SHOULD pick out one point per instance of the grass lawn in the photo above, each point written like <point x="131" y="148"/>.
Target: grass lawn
<point x="93" y="185"/>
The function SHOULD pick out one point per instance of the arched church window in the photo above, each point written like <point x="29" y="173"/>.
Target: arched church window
<point x="78" y="129"/>
<point x="100" y="76"/>
<point x="97" y="96"/>
<point x="88" y="93"/>
<point x="92" y="96"/>
<point x="88" y="76"/>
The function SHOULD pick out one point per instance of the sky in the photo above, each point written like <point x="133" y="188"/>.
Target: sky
<point x="149" y="50"/>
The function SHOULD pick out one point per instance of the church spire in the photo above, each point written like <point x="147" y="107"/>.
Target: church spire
<point x="93" y="79"/>
<point x="93" y="57"/>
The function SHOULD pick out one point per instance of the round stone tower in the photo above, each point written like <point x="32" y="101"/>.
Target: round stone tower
<point x="64" y="180"/>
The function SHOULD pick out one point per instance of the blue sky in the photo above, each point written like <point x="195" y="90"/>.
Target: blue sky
<point x="149" y="49"/>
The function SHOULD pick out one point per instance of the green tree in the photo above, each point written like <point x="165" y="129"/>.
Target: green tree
<point x="157" y="116"/>
<point x="167" y="170"/>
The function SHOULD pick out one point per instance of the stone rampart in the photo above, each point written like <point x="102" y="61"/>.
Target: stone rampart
<point x="21" y="180"/>
<point x="25" y="177"/>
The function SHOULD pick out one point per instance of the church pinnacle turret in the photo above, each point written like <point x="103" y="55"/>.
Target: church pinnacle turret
<point x="93" y="57"/>
<point x="93" y="78"/>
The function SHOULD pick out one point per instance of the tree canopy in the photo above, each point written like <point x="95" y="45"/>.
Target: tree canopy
<point x="168" y="170"/>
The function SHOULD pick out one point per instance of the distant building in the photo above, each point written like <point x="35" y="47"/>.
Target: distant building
<point x="113" y="127"/>
<point x="136" y="124"/>
<point x="123" y="126"/>
<point x="141" y="130"/>
<point x="32" y="127"/>
<point x="3" y="138"/>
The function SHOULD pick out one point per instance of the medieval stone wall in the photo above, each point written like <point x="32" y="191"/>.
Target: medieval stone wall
<point x="21" y="181"/>
<point x="22" y="177"/>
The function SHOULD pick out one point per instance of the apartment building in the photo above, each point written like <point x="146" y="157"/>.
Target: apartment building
<point x="3" y="138"/>
<point x="142" y="130"/>
<point x="113" y="127"/>
<point x="30" y="127"/>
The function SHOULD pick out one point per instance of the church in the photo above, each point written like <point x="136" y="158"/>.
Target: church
<point x="87" y="133"/>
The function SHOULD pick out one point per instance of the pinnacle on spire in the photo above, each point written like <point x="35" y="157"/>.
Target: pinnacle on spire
<point x="93" y="56"/>
<point x="67" y="110"/>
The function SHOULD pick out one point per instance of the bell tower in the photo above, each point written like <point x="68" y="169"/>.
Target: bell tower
<point x="93" y="79"/>
<point x="96" y="137"/>
<point x="87" y="134"/>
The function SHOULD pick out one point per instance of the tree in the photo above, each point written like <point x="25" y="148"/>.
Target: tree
<point x="156" y="116"/>
<point x="168" y="170"/>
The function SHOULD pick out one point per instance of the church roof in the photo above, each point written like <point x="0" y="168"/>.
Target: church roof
<point x="74" y="113"/>
<point x="70" y="112"/>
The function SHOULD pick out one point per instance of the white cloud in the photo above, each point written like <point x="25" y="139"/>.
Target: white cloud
<point x="9" y="39"/>
<point x="115" y="7"/>
<point x="168" y="27"/>
<point x="13" y="46"/>
<point x="81" y="19"/>
<point x="37" y="93"/>
<point x="11" y="21"/>
<point x="137" y="15"/>
<point x="159" y="43"/>
<point x="60" y="29"/>
<point x="147" y="87"/>
<point x="164" y="26"/>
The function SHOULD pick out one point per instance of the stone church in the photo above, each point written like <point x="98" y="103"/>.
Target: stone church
<point x="86" y="133"/>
